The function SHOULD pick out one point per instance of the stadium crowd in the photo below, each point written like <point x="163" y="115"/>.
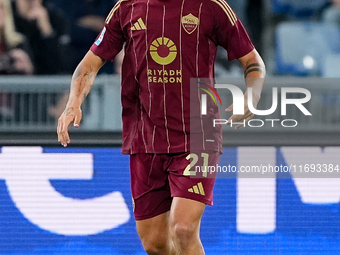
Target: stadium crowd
<point x="51" y="36"/>
<point x="48" y="37"/>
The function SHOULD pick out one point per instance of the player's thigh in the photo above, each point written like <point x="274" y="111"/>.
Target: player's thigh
<point x="154" y="231"/>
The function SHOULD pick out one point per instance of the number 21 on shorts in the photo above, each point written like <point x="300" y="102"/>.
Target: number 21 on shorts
<point x="188" y="171"/>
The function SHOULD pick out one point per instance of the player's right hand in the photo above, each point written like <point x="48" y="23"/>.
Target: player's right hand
<point x="70" y="115"/>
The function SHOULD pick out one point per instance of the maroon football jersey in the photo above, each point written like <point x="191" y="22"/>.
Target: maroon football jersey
<point x="168" y="42"/>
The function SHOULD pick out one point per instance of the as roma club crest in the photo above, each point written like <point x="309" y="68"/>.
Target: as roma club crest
<point x="190" y="23"/>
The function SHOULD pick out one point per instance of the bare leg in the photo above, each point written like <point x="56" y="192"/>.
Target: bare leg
<point x="185" y="220"/>
<point x="154" y="234"/>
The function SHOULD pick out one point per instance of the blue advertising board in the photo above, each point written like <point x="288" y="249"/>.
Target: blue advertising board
<point x="78" y="201"/>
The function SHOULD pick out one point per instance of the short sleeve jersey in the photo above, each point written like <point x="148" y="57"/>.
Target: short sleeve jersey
<point x="168" y="42"/>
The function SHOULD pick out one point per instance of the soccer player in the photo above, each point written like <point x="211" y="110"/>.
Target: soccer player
<point x="167" y="42"/>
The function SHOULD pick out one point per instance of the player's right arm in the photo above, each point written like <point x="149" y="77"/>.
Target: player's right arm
<point x="81" y="84"/>
<point x="107" y="45"/>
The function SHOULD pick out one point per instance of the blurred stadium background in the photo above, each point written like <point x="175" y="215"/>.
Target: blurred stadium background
<point x="77" y="200"/>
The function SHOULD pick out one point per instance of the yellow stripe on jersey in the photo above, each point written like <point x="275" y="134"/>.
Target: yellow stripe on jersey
<point x="141" y="23"/>
<point x="113" y="10"/>
<point x="109" y="17"/>
<point x="226" y="8"/>
<point x="232" y="13"/>
<point x="137" y="26"/>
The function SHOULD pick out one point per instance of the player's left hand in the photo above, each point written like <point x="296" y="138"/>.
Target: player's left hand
<point x="248" y="115"/>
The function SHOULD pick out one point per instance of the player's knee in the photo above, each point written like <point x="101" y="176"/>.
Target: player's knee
<point x="154" y="250"/>
<point x="183" y="233"/>
<point x="154" y="246"/>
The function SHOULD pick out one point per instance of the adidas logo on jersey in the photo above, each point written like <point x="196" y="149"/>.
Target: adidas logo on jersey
<point x="139" y="25"/>
<point x="197" y="189"/>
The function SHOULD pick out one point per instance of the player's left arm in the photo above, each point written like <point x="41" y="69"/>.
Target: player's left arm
<point x="254" y="74"/>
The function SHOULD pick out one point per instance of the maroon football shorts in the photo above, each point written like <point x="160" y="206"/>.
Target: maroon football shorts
<point x="157" y="178"/>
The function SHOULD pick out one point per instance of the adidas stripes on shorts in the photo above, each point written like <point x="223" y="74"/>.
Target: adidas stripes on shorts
<point x="157" y="178"/>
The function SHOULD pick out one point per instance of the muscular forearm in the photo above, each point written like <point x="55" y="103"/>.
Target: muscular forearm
<point x="254" y="73"/>
<point x="83" y="79"/>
